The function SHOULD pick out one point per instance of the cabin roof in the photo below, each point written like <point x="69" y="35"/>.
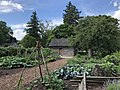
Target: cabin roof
<point x="59" y="42"/>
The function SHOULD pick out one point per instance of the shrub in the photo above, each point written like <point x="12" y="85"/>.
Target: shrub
<point x="28" y="41"/>
<point x="12" y="51"/>
<point x="114" y="58"/>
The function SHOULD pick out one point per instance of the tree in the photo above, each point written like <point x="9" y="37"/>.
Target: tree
<point x="46" y="32"/>
<point x="63" y="31"/>
<point x="97" y="33"/>
<point x="5" y="33"/>
<point x="38" y="29"/>
<point x="70" y="18"/>
<point x="28" y="41"/>
<point x="33" y="27"/>
<point x="71" y="15"/>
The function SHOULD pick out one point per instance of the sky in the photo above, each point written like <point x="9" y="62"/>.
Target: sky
<point x="16" y="13"/>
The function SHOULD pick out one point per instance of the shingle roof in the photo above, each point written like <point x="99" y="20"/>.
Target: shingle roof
<point x="59" y="42"/>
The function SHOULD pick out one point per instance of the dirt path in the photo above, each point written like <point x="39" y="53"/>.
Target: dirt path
<point x="9" y="81"/>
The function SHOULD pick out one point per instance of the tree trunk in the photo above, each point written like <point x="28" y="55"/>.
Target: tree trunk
<point x="90" y="52"/>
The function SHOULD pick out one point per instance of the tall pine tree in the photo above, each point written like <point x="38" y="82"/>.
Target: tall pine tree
<point x="71" y="15"/>
<point x="33" y="26"/>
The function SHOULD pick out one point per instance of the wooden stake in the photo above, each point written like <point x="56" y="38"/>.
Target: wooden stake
<point x="38" y="46"/>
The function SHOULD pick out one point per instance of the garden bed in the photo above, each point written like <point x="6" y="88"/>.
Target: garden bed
<point x="9" y="80"/>
<point x="4" y="72"/>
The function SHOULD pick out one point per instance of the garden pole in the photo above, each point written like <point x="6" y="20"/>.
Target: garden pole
<point x="38" y="46"/>
<point x="47" y="70"/>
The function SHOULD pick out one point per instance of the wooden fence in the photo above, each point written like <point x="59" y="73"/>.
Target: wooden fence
<point x="83" y="80"/>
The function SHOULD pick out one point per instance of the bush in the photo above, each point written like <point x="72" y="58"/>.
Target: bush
<point x="114" y="58"/>
<point x="12" y="51"/>
<point x="28" y="41"/>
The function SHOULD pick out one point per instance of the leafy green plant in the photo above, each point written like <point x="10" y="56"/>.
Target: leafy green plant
<point x="113" y="86"/>
<point x="70" y="71"/>
<point x="15" y="62"/>
<point x="114" y="58"/>
<point x="55" y="83"/>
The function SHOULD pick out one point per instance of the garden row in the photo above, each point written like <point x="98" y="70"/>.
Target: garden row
<point x="107" y="66"/>
<point x="11" y="57"/>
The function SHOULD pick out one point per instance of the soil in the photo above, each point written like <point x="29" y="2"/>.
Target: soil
<point x="4" y="72"/>
<point x="9" y="77"/>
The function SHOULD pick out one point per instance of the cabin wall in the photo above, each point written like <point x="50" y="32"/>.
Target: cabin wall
<point x="68" y="52"/>
<point x="64" y="51"/>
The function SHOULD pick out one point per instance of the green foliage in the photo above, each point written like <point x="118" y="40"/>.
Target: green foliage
<point x="109" y="65"/>
<point x="11" y="51"/>
<point x="53" y="82"/>
<point x="50" y="55"/>
<point x="70" y="18"/>
<point x="46" y="32"/>
<point x="113" y="86"/>
<point x="108" y="69"/>
<point x="28" y="41"/>
<point x="33" y="26"/>
<point x="16" y="57"/>
<point x="72" y="70"/>
<point x="5" y="33"/>
<point x="114" y="58"/>
<point x="71" y="15"/>
<point x="40" y="30"/>
<point x="78" y="59"/>
<point x="16" y="62"/>
<point x="63" y="31"/>
<point x="98" y="33"/>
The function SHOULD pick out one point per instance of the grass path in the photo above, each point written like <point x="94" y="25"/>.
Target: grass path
<point x="8" y="82"/>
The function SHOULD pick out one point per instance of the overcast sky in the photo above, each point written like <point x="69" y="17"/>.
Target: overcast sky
<point x="17" y="12"/>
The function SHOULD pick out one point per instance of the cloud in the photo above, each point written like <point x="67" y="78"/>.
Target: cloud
<point x="115" y="4"/>
<point x="18" y="31"/>
<point x="57" y="21"/>
<point x="116" y="14"/>
<point x="9" y="6"/>
<point x="19" y="34"/>
<point x="18" y="26"/>
<point x="88" y="12"/>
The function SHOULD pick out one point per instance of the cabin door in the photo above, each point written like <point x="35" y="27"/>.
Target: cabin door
<point x="60" y="51"/>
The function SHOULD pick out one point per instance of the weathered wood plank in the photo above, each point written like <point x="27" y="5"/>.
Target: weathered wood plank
<point x="84" y="80"/>
<point x="97" y="77"/>
<point x="89" y="81"/>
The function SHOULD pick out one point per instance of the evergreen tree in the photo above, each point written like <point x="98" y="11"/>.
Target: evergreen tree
<point x="71" y="15"/>
<point x="33" y="26"/>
